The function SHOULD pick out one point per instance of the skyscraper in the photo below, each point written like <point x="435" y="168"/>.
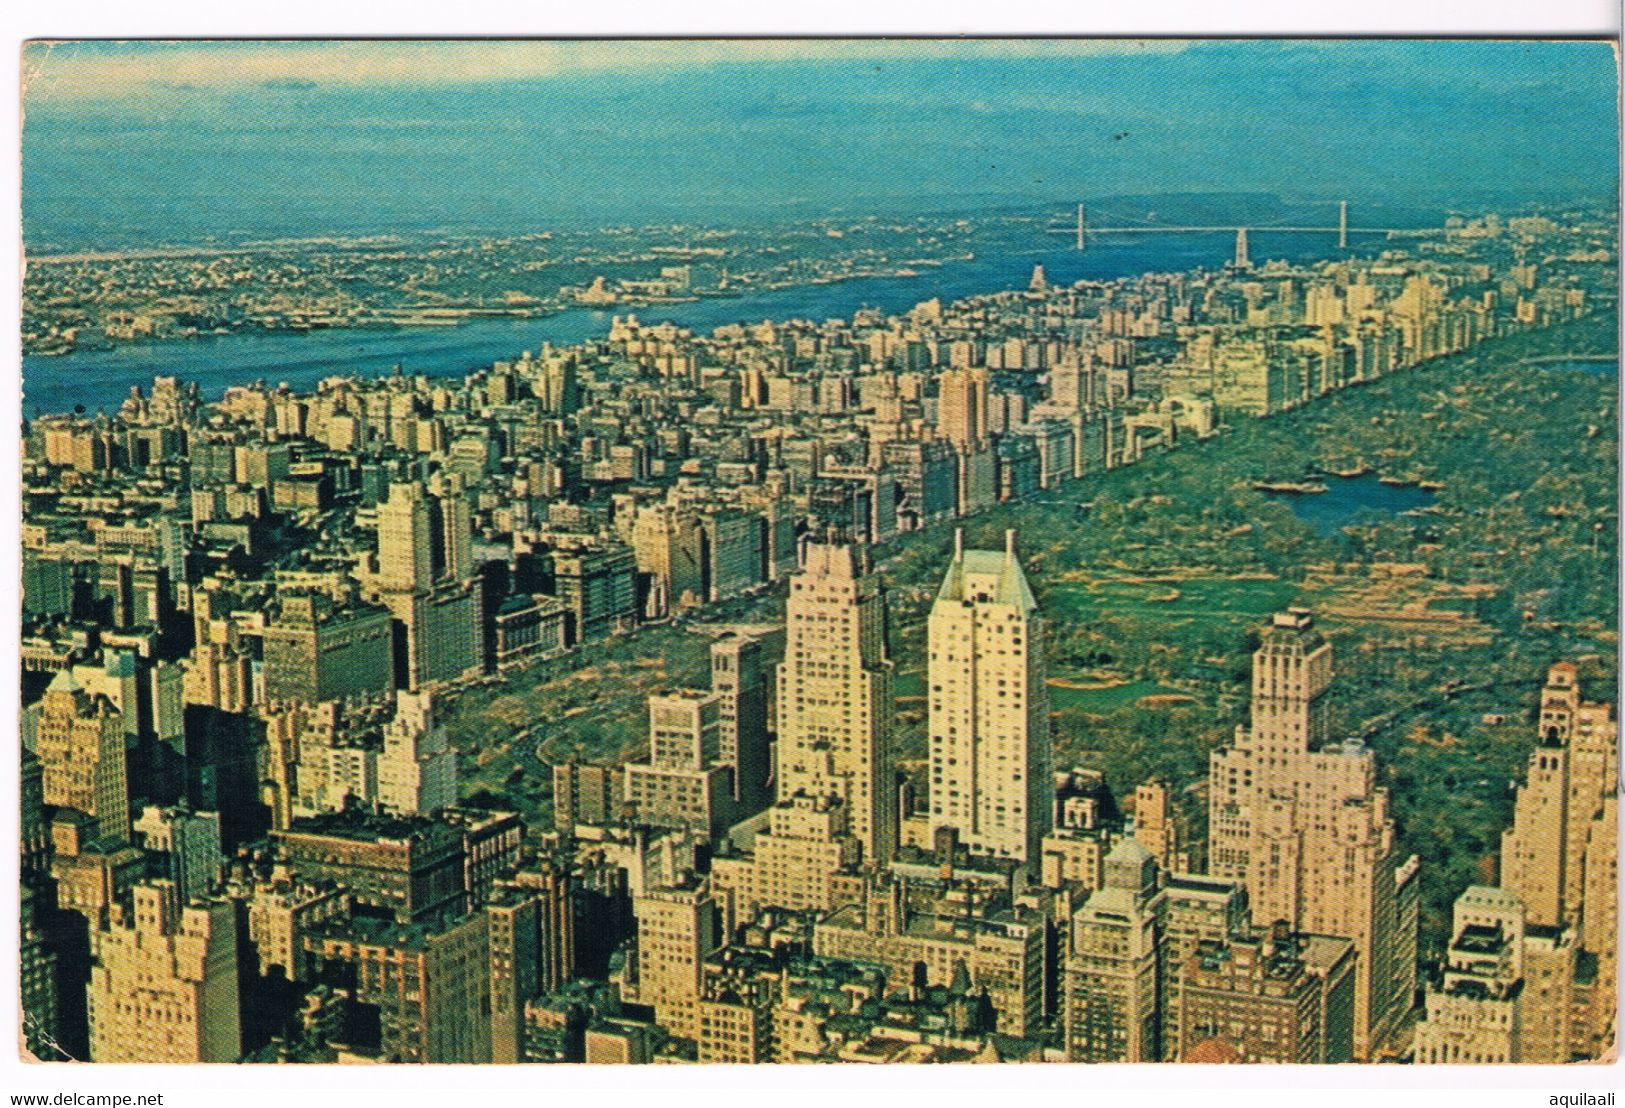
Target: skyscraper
<point x="1570" y="774"/>
<point x="1560" y="857"/>
<point x="677" y="930"/>
<point x="316" y="651"/>
<point x="598" y="585"/>
<point x="425" y="578"/>
<point x="417" y="770"/>
<point x="1110" y="1004"/>
<point x="963" y="419"/>
<point x="962" y="407"/>
<point x="1074" y="381"/>
<point x="1196" y="910"/>
<point x="1157" y="827"/>
<point x="586" y="793"/>
<point x="164" y="984"/>
<point x="989" y="706"/>
<point x="79" y="739"/>
<point x="189" y="844"/>
<point x="835" y="694"/>
<point x="1600" y="930"/>
<point x="682" y="785"/>
<point x="432" y="978"/>
<point x="1476" y="1014"/>
<point x="406" y="539"/>
<point x="37" y="968"/>
<point x="740" y="668"/>
<point x="515" y="936"/>
<point x="1301" y="822"/>
<point x="666" y="542"/>
<point x="1268" y="996"/>
<point x="794" y="861"/>
<point x="456" y="535"/>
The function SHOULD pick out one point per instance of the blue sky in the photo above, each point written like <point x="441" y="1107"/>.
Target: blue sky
<point x="173" y="141"/>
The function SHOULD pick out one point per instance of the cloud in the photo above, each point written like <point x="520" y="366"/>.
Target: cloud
<point x="111" y="70"/>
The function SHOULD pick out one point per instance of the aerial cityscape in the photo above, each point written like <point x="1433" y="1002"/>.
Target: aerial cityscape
<point x="1160" y="610"/>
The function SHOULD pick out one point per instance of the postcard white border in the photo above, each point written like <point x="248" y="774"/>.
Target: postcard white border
<point x="677" y="1087"/>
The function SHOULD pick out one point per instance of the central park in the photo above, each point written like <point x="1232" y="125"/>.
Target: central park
<point x="1154" y="579"/>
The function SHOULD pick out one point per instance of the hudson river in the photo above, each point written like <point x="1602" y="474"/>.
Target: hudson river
<point x="101" y="379"/>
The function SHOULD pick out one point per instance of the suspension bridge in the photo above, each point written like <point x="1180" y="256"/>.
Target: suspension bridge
<point x="1083" y="231"/>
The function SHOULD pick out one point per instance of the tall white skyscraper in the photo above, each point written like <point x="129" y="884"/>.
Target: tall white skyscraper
<point x="425" y="577"/>
<point x="424" y="538"/>
<point x="417" y="771"/>
<point x="1302" y="823"/>
<point x="456" y="530"/>
<point x="1560" y="857"/>
<point x="405" y="539"/>
<point x="989" y="706"/>
<point x="1570" y="774"/>
<point x="835" y="694"/>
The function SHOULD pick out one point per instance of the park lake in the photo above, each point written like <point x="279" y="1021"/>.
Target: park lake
<point x="1348" y="499"/>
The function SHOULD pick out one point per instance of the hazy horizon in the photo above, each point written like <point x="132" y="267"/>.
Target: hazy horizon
<point x="136" y="144"/>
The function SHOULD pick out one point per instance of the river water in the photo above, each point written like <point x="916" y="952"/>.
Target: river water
<point x="101" y="379"/>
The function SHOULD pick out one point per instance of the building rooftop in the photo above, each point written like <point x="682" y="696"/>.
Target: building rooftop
<point x="364" y="826"/>
<point x="1213" y="1051"/>
<point x="1480" y="938"/>
<point x="995" y="574"/>
<point x="372" y="930"/>
<point x="1195" y="882"/>
<point x="1585" y="969"/>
